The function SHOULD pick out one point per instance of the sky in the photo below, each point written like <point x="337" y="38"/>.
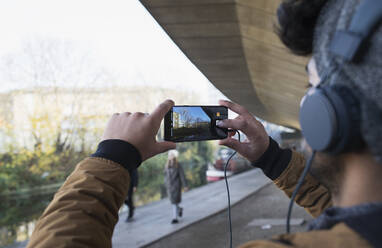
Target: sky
<point x="120" y="34"/>
<point x="194" y="112"/>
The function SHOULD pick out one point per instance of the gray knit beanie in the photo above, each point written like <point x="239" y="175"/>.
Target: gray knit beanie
<point x="363" y="78"/>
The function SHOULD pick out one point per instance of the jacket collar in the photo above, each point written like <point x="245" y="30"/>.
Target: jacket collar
<point x="365" y="219"/>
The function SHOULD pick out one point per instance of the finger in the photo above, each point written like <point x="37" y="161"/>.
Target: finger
<point x="232" y="143"/>
<point x="231" y="133"/>
<point x="138" y="114"/>
<point x="234" y="107"/>
<point x="165" y="146"/>
<point x="238" y="124"/>
<point x="158" y="114"/>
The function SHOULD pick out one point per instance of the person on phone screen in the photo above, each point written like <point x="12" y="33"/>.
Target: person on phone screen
<point x="174" y="179"/>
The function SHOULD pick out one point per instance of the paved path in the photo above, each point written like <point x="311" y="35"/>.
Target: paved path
<point x="152" y="221"/>
<point x="269" y="204"/>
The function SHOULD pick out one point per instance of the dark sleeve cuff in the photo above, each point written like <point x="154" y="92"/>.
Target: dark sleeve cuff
<point x="274" y="160"/>
<point x="119" y="151"/>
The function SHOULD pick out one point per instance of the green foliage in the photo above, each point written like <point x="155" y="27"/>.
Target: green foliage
<point x="27" y="169"/>
<point x="195" y="156"/>
<point x="51" y="149"/>
<point x="16" y="212"/>
<point x="31" y="168"/>
<point x="151" y="179"/>
<point x="52" y="161"/>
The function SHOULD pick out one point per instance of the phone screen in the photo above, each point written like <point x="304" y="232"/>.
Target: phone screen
<point x="195" y="123"/>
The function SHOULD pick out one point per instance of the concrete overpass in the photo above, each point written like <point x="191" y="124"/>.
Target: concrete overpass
<point x="233" y="44"/>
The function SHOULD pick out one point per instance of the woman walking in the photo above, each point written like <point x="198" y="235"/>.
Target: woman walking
<point x="174" y="180"/>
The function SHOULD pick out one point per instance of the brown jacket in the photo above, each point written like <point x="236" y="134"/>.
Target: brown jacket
<point x="315" y="198"/>
<point x="84" y="211"/>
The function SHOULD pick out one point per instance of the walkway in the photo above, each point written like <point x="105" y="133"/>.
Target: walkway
<point x="152" y="221"/>
<point x="259" y="216"/>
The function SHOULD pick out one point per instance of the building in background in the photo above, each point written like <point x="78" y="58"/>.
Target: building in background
<point x="30" y="115"/>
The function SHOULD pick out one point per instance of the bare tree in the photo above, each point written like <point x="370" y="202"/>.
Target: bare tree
<point x="55" y="72"/>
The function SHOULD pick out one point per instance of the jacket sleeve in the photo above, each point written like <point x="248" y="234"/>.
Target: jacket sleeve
<point x="284" y="167"/>
<point x="313" y="196"/>
<point x="84" y="211"/>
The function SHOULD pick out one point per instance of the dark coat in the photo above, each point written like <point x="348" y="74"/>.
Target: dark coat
<point x="133" y="184"/>
<point x="174" y="179"/>
<point x="134" y="179"/>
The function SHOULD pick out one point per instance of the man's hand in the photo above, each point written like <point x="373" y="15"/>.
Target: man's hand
<point x="257" y="139"/>
<point x="140" y="129"/>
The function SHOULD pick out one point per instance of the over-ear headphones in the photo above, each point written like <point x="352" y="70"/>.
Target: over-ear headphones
<point x="330" y="114"/>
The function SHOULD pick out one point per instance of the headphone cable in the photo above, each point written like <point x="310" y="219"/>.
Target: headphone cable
<point x="299" y="184"/>
<point x="228" y="194"/>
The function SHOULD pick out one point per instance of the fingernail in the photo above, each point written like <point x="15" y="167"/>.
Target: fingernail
<point x="219" y="123"/>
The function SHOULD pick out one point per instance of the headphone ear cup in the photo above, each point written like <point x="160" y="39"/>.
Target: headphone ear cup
<point x="318" y="120"/>
<point x="330" y="120"/>
<point x="342" y="135"/>
<point x="348" y="111"/>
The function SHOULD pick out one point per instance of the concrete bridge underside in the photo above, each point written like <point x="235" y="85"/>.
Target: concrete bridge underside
<point x="233" y="44"/>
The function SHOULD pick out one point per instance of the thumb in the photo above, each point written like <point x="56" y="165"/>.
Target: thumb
<point x="165" y="146"/>
<point x="231" y="143"/>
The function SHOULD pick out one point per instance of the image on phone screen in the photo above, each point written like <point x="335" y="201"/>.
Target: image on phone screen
<point x="195" y="123"/>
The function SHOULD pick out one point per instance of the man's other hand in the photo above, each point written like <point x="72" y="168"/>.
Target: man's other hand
<point x="257" y="140"/>
<point x="140" y="130"/>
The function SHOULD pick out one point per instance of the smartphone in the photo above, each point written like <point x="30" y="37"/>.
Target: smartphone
<point x="194" y="123"/>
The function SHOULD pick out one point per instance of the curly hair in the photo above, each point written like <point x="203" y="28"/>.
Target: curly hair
<point x="296" y="22"/>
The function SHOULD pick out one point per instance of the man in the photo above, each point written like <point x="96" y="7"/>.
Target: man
<point x="85" y="210"/>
